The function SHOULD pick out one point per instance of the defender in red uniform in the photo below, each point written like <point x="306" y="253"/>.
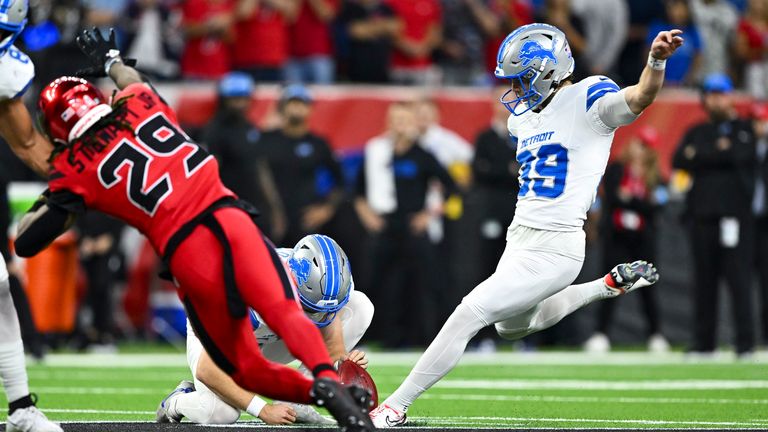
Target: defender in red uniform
<point x="130" y="159"/>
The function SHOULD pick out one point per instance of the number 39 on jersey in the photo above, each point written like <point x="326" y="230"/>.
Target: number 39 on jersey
<point x="543" y="171"/>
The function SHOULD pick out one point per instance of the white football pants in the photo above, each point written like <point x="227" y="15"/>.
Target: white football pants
<point x="13" y="370"/>
<point x="528" y="292"/>
<point x="204" y="406"/>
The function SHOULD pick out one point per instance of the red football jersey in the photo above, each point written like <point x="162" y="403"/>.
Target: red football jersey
<point x="154" y="178"/>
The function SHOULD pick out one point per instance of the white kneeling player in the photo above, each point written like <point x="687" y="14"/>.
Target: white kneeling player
<point x="324" y="282"/>
<point x="16" y="74"/>
<point x="564" y="132"/>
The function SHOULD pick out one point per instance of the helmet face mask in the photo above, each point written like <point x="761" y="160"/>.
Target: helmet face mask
<point x="13" y="19"/>
<point x="536" y="58"/>
<point x="322" y="273"/>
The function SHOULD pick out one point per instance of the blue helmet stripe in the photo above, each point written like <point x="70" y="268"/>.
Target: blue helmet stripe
<point x="334" y="268"/>
<point x="327" y="255"/>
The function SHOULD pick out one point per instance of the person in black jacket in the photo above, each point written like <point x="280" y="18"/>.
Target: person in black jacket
<point x="390" y="201"/>
<point x="760" y="210"/>
<point x="307" y="174"/>
<point x="235" y="141"/>
<point x="719" y="154"/>
<point x="628" y="231"/>
<point x="494" y="170"/>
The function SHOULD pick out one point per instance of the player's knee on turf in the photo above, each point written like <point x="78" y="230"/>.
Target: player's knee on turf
<point x="213" y="410"/>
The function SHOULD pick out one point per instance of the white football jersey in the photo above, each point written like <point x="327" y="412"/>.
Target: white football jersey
<point x="563" y="151"/>
<point x="16" y="73"/>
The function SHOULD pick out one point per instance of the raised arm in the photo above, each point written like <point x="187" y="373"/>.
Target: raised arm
<point x="106" y="60"/>
<point x="642" y="94"/>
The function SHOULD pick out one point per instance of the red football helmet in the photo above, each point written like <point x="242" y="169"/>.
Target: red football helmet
<point x="69" y="106"/>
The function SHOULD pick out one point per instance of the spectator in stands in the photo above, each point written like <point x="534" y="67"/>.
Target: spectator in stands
<point x="260" y="47"/>
<point x="511" y="15"/>
<point x="452" y="151"/>
<point x="494" y="195"/>
<point x="466" y="26"/>
<point x="632" y="59"/>
<point x="152" y="36"/>
<point x="630" y="200"/>
<point x="391" y="203"/>
<point x="760" y="210"/>
<point x="419" y="36"/>
<point x="719" y="154"/>
<point x="751" y="48"/>
<point x="101" y="260"/>
<point x="716" y="21"/>
<point x="606" y="32"/>
<point x="207" y="28"/>
<point x="311" y="45"/>
<point x="307" y="175"/>
<point x="682" y="67"/>
<point x="371" y="26"/>
<point x="234" y="140"/>
<point x="558" y="13"/>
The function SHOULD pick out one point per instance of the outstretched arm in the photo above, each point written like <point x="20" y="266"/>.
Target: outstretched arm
<point x="106" y="60"/>
<point x="641" y="95"/>
<point x="26" y="142"/>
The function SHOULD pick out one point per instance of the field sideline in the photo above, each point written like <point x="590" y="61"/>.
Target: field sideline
<point x="506" y="391"/>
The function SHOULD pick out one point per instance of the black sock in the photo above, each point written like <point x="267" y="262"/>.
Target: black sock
<point x="24" y="402"/>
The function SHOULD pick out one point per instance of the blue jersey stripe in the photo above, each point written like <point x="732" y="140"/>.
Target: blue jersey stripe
<point x="598" y="90"/>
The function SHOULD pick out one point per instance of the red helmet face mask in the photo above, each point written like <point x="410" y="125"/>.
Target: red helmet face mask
<point x="69" y="106"/>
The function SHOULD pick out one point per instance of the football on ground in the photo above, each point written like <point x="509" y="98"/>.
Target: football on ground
<point x="351" y="373"/>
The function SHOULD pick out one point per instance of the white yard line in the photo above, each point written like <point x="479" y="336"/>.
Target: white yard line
<point x="501" y="421"/>
<point x="408" y="359"/>
<point x="587" y="399"/>
<point x="561" y="384"/>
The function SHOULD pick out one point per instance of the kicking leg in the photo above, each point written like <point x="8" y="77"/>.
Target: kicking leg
<point x="522" y="279"/>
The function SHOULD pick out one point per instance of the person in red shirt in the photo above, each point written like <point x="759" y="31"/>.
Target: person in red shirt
<point x="130" y="159"/>
<point x="260" y="46"/>
<point x="751" y="47"/>
<point x="419" y="36"/>
<point x="311" y="45"/>
<point x="207" y="27"/>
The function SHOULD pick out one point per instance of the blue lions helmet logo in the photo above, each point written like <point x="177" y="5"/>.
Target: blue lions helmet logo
<point x="300" y="269"/>
<point x="533" y="50"/>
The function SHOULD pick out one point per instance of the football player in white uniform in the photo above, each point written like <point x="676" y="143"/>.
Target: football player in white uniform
<point x="564" y="132"/>
<point x="321" y="271"/>
<point x="16" y="128"/>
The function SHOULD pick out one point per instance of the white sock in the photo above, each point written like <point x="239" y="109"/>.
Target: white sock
<point x="203" y="407"/>
<point x="13" y="369"/>
<point x="442" y="355"/>
<point x="553" y="309"/>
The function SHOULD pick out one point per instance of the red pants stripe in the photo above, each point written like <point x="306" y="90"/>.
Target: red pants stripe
<point x="197" y="266"/>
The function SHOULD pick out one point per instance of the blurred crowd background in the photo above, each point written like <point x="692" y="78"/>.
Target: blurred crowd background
<point x="419" y="200"/>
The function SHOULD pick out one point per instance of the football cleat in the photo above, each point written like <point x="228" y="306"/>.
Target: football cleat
<point x="384" y="416"/>
<point x="337" y="399"/>
<point x="625" y="278"/>
<point x="164" y="414"/>
<point x="30" y="419"/>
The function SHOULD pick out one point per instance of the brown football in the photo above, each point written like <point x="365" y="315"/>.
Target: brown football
<point x="351" y="373"/>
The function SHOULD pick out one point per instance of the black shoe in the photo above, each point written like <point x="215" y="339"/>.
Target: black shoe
<point x="343" y="407"/>
<point x="361" y="396"/>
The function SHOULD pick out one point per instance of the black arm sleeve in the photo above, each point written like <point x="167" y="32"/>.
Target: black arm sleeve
<point x="437" y="171"/>
<point x="61" y="205"/>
